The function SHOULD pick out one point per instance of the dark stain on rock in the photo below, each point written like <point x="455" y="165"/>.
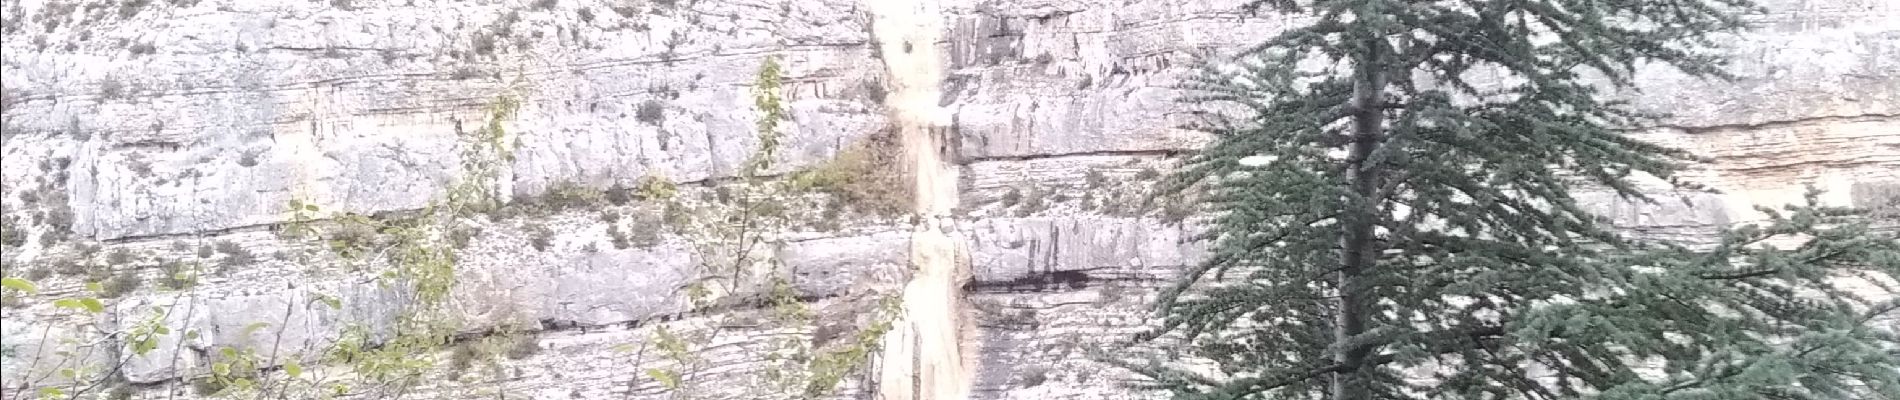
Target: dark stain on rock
<point x="1051" y="281"/>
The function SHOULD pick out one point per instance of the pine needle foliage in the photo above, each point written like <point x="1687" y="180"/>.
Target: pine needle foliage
<point x="1387" y="225"/>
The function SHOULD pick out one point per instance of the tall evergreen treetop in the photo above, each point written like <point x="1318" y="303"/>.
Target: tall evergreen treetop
<point x="1386" y="225"/>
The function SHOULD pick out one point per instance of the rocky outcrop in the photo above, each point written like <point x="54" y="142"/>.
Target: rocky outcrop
<point x="177" y="132"/>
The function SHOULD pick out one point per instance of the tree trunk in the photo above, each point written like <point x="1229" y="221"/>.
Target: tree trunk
<point x="1356" y="245"/>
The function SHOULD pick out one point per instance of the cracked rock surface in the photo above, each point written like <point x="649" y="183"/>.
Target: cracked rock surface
<point x="177" y="131"/>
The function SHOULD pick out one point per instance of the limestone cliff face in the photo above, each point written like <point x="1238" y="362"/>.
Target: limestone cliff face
<point x="142" y="137"/>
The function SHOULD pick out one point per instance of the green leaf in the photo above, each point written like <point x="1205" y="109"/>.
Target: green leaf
<point x="296" y="204"/>
<point x="19" y="284"/>
<point x="95" y="287"/>
<point x="191" y="334"/>
<point x="333" y="302"/>
<point x="92" y="305"/>
<point x="162" y="330"/>
<point x="293" y="369"/>
<point x="253" y="327"/>
<point x="221" y="369"/>
<point x="68" y="303"/>
<point x="310" y="207"/>
<point x="145" y="346"/>
<point x="666" y="378"/>
<point x="51" y="393"/>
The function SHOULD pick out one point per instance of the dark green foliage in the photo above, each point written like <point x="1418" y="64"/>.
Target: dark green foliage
<point x="206" y="387"/>
<point x="38" y="273"/>
<point x="522" y="346"/>
<point x="121" y="392"/>
<point x="120" y="257"/>
<point x="1033" y="376"/>
<point x="1012" y="197"/>
<point x="120" y="283"/>
<point x="619" y="195"/>
<point x="462" y="234"/>
<point x="235" y="255"/>
<point x="1384" y="222"/>
<point x="676" y="215"/>
<point x="10" y="234"/>
<point x="651" y="112"/>
<point x="179" y="275"/>
<point x="130" y="8"/>
<point x="68" y="267"/>
<point x="540" y="237"/>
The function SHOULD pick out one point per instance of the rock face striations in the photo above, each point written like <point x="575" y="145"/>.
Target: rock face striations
<point x="916" y="199"/>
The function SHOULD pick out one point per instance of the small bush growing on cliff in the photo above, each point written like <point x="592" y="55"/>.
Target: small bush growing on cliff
<point x="626" y="11"/>
<point x="121" y="257"/>
<point x="351" y="237"/>
<point x="540" y="237"/>
<point x="521" y="346"/>
<point x="206" y="387"/>
<point x="1011" y="198"/>
<point x="1033" y="376"/>
<point x="68" y="266"/>
<point x="130" y="8"/>
<point x="460" y="235"/>
<point x="179" y="275"/>
<point x="461" y="357"/>
<point x="619" y="195"/>
<point x="651" y="112"/>
<point x="560" y="196"/>
<point x="125" y="281"/>
<point x="10" y="233"/>
<point x="1033" y="202"/>
<point x="235" y="255"/>
<point x="38" y="273"/>
<point x="111" y="88"/>
<point x="482" y="43"/>
<point x="570" y="195"/>
<point x="866" y="177"/>
<point x="655" y="188"/>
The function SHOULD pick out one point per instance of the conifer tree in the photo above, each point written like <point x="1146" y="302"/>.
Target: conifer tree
<point x="1392" y="218"/>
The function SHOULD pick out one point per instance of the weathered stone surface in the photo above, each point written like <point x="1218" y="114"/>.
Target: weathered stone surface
<point x="1007" y="249"/>
<point x="239" y="107"/>
<point x="280" y="325"/>
<point x="842" y="265"/>
<point x="225" y="122"/>
<point x="38" y="345"/>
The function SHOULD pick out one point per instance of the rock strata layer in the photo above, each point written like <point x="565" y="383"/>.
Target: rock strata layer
<point x="176" y="133"/>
